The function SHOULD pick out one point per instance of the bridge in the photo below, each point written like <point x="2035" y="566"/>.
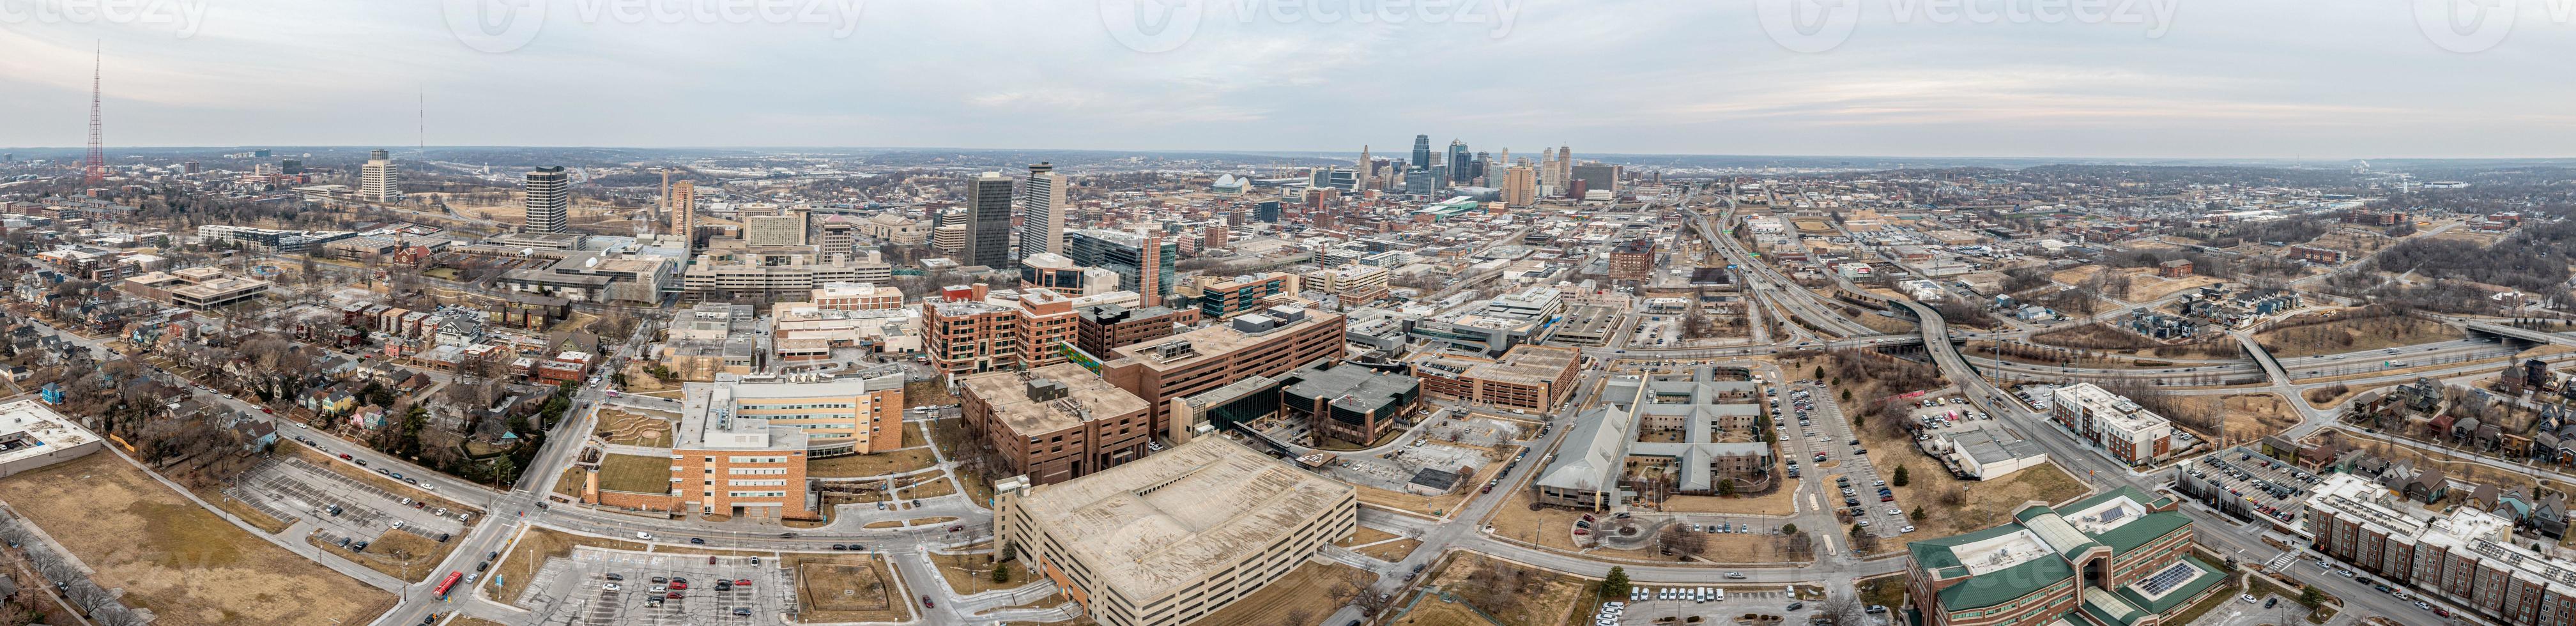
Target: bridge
<point x="2520" y="333"/>
<point x="2271" y="366"/>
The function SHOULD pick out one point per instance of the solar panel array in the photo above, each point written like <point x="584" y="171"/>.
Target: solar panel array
<point x="2166" y="580"/>
<point x="2114" y="514"/>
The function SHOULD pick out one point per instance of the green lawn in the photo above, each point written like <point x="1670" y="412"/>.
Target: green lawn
<point x="635" y="474"/>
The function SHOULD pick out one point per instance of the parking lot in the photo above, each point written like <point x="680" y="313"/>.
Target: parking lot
<point x="292" y="489"/>
<point x="1649" y="602"/>
<point x="1826" y="436"/>
<point x="2249" y="484"/>
<point x="578" y="589"/>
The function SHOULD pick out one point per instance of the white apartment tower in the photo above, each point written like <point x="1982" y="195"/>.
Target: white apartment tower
<point x="378" y="181"/>
<point x="549" y="199"/>
<point x="1042" y="211"/>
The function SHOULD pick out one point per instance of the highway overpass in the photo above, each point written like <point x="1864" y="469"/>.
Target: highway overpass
<point x="2520" y="333"/>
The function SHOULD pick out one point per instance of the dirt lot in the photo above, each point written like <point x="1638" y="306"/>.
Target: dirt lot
<point x="848" y="589"/>
<point x="1393" y="550"/>
<point x="182" y="562"/>
<point x="649" y="429"/>
<point x="1302" y="597"/>
<point x="523" y="559"/>
<point x="2341" y="336"/>
<point x="1516" y="595"/>
<point x="1435" y="611"/>
<point x="398" y="554"/>
<point x="971" y="574"/>
<point x="2145" y="287"/>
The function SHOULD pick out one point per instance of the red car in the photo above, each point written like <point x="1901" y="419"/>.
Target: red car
<point x="679" y="585"/>
<point x="344" y="456"/>
<point x="746" y="582"/>
<point x="673" y="595"/>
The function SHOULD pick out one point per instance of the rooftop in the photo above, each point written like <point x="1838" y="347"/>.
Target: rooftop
<point x="1084" y="396"/>
<point x="1178" y="516"/>
<point x="1221" y="339"/>
<point x="29" y="428"/>
<point x="1527" y="364"/>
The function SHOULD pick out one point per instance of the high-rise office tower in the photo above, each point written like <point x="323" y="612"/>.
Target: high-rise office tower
<point x="1144" y="261"/>
<point x="1460" y="167"/>
<point x="1418" y="183"/>
<point x="1367" y="171"/>
<point x="1421" y="152"/>
<point x="1042" y="211"/>
<point x="988" y="221"/>
<point x="1483" y="160"/>
<point x="378" y="181"/>
<point x="1547" y="169"/>
<point x="549" y="199"/>
<point x="1520" y="185"/>
<point x="681" y="204"/>
<point x="1565" y="165"/>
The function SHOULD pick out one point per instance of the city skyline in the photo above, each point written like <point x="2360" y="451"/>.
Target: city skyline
<point x="1647" y="79"/>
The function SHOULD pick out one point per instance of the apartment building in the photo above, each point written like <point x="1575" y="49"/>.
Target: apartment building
<point x="1632" y="260"/>
<point x="971" y="328"/>
<point x="2120" y="558"/>
<point x="1097" y="329"/>
<point x="1055" y="423"/>
<point x="1353" y="285"/>
<point x="1530" y="377"/>
<point x="1269" y="343"/>
<point x="1176" y="536"/>
<point x="2128" y="432"/>
<point x="2468" y="556"/>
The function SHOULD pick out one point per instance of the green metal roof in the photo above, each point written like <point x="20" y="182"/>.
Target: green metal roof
<point x="2209" y="577"/>
<point x="2007" y="584"/>
<point x="2142" y="530"/>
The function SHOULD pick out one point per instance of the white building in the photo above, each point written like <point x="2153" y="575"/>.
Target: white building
<point x="378" y="180"/>
<point x="2121" y="428"/>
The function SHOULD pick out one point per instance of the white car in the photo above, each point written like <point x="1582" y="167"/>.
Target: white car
<point x="609" y="586"/>
<point x="644" y="535"/>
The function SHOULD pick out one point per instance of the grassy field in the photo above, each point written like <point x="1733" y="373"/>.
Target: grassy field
<point x="178" y="560"/>
<point x="1516" y="595"/>
<point x="519" y="564"/>
<point x="973" y="573"/>
<point x="848" y="589"/>
<point x="1982" y="503"/>
<point x="398" y="554"/>
<point x="2353" y="335"/>
<point x="2250" y="416"/>
<point x="1302" y="597"/>
<point x="862" y="465"/>
<point x="635" y="473"/>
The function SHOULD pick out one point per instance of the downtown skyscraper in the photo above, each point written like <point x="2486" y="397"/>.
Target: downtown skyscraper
<point x="549" y="199"/>
<point x="378" y="180"/>
<point x="1422" y="152"/>
<point x="1042" y="211"/>
<point x="988" y="221"/>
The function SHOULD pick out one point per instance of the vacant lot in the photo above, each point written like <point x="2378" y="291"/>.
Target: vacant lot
<point x="185" y="564"/>
<point x="970" y="574"/>
<point x="1434" y="611"/>
<point x="1516" y="595"/>
<point x="848" y="589"/>
<point x="2354" y="335"/>
<point x="2249" y="416"/>
<point x="2149" y="287"/>
<point x="1955" y="505"/>
<point x="1303" y="597"/>
<point x="1393" y="550"/>
<point x="1442" y="504"/>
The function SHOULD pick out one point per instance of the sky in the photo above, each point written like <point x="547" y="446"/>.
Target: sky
<point x="2008" y="78"/>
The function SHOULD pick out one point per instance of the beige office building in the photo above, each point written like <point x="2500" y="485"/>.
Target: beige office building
<point x="1175" y="536"/>
<point x="838" y="416"/>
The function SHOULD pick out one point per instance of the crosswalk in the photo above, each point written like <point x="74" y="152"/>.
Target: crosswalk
<point x="2281" y="561"/>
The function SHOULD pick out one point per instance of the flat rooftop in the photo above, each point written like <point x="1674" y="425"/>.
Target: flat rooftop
<point x="1087" y="397"/>
<point x="1219" y="340"/>
<point x="708" y="421"/>
<point x="45" y="431"/>
<point x="1527" y="364"/>
<point x="1176" y="517"/>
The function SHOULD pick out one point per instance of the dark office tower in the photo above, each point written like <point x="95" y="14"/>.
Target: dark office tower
<point x="1267" y="211"/>
<point x="1421" y="152"/>
<point x="988" y="221"/>
<point x="1482" y="160"/>
<point x="549" y="199"/>
<point x="1459" y="170"/>
<point x="1144" y="262"/>
<point x="290" y="167"/>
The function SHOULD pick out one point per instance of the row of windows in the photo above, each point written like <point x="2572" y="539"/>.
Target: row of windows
<point x="757" y="471"/>
<point x="757" y="483"/>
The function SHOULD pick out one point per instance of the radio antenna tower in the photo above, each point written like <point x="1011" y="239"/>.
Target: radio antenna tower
<point x="424" y="122"/>
<point x="95" y="167"/>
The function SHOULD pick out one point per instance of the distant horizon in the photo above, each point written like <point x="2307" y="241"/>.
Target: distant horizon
<point x="1396" y="154"/>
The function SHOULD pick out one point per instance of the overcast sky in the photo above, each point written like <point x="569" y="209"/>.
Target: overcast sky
<point x="2142" y="78"/>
